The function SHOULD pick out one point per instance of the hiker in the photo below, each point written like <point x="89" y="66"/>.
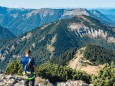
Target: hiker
<point x="28" y="65"/>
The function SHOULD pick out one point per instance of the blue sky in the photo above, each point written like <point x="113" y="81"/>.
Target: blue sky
<point x="58" y="3"/>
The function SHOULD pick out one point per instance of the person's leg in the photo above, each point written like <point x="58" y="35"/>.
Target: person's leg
<point x="32" y="82"/>
<point x="26" y="82"/>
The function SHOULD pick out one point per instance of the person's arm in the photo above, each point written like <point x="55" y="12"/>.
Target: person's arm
<point x="20" y="60"/>
<point x="35" y="68"/>
<point x="34" y="65"/>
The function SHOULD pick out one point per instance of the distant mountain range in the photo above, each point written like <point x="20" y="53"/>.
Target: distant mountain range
<point x="110" y="13"/>
<point x="54" y="39"/>
<point x="19" y="21"/>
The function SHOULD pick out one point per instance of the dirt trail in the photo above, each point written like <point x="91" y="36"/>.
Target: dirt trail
<point x="80" y="63"/>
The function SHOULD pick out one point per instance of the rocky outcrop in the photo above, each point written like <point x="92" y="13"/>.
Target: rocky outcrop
<point x="11" y="80"/>
<point x="73" y="83"/>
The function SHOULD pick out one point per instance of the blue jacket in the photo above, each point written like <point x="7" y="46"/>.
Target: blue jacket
<point x="25" y="61"/>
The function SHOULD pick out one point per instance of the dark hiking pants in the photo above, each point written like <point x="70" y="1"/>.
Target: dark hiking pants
<point x="32" y="82"/>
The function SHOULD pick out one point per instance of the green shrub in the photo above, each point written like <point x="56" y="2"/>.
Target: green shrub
<point x="56" y="73"/>
<point x="106" y="76"/>
<point x="53" y="72"/>
<point x="14" y="67"/>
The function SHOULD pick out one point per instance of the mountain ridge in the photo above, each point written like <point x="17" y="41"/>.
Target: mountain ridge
<point x="54" y="39"/>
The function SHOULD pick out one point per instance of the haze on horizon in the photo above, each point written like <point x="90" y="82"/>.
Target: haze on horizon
<point x="36" y="4"/>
